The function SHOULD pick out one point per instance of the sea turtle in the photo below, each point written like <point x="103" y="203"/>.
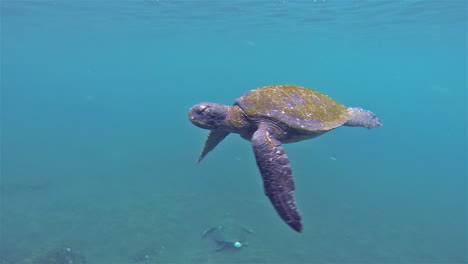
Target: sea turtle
<point x="228" y="237"/>
<point x="272" y="115"/>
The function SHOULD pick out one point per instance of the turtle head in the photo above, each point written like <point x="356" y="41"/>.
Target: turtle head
<point x="209" y="115"/>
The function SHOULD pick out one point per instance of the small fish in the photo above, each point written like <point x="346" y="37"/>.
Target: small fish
<point x="333" y="158"/>
<point x="251" y="43"/>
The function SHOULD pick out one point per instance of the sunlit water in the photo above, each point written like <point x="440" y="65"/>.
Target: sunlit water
<point x="98" y="157"/>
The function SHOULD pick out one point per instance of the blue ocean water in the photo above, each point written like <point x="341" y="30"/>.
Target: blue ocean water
<point x="98" y="158"/>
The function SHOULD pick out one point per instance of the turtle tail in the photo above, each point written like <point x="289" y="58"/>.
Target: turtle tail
<point x="362" y="118"/>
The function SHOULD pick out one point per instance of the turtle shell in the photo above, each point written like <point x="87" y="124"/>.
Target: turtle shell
<point x="295" y="106"/>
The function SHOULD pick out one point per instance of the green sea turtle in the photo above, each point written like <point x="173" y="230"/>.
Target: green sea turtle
<point x="272" y="115"/>
<point x="228" y="237"/>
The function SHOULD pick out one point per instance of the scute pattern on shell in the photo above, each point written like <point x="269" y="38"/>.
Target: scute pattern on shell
<point x="295" y="106"/>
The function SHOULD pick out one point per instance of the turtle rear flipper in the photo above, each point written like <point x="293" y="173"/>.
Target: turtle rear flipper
<point x="277" y="175"/>
<point x="362" y="118"/>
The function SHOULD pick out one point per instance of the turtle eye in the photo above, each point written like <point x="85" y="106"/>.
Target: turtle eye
<point x="202" y="108"/>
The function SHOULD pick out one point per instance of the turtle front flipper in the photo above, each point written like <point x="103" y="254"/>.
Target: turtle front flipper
<point x="213" y="139"/>
<point x="277" y="175"/>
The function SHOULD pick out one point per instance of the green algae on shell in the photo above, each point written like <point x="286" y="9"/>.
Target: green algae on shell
<point x="297" y="107"/>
